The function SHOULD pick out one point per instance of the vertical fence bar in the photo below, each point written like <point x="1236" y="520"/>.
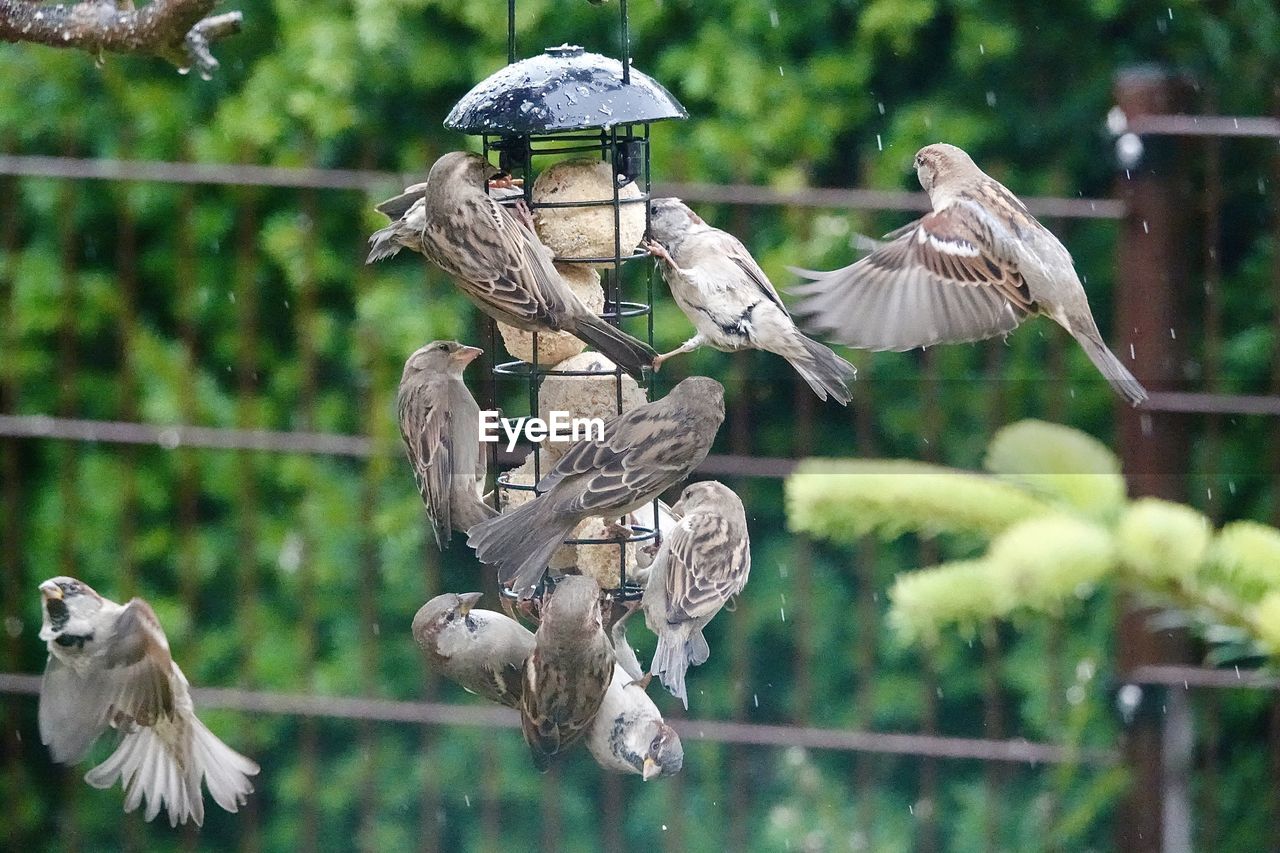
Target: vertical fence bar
<point x="867" y="634"/>
<point x="12" y="746"/>
<point x="740" y="801"/>
<point x="1275" y="448"/>
<point x="931" y="433"/>
<point x="67" y="454"/>
<point x="307" y="328"/>
<point x="127" y="323"/>
<point x="185" y="279"/>
<point x="1151" y="277"/>
<point x="802" y="604"/>
<point x="247" y="503"/>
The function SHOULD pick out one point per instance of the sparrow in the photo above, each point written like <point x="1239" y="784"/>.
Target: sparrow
<point x="566" y="676"/>
<point x="494" y="256"/>
<point x="643" y="452"/>
<point x="109" y="667"/>
<point x="628" y="734"/>
<point x="974" y="267"/>
<point x="730" y="300"/>
<point x="480" y="650"/>
<point x="440" y="425"/>
<point x="700" y="566"/>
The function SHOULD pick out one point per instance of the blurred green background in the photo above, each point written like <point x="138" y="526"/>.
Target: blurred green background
<point x="250" y="307"/>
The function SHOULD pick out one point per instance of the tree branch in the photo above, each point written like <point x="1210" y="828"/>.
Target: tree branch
<point x="175" y="30"/>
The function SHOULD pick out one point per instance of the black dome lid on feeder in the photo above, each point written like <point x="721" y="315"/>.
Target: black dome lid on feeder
<point x="564" y="88"/>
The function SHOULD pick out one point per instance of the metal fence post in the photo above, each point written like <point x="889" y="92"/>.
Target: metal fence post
<point x="1151" y="282"/>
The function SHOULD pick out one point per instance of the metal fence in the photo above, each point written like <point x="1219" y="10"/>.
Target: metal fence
<point x="1186" y="422"/>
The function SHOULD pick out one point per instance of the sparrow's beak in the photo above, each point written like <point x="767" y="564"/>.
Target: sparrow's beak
<point x="49" y="590"/>
<point x="469" y="600"/>
<point x="466" y="355"/>
<point x="651" y="770"/>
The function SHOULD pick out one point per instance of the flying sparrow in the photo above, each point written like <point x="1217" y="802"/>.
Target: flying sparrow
<point x="644" y="452"/>
<point x="731" y="302"/>
<point x="700" y="566"/>
<point x="975" y="267"/>
<point x="440" y="425"/>
<point x="494" y="256"/>
<point x="482" y="651"/>
<point x="566" y="677"/>
<point x="628" y="734"/>
<point x="109" y="667"/>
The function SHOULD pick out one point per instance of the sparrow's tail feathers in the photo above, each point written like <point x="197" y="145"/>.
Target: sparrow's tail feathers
<point x="226" y="772"/>
<point x="146" y="766"/>
<point x="520" y="543"/>
<point x="826" y="372"/>
<point x="622" y="349"/>
<point x="674" y="656"/>
<point x="383" y="244"/>
<point x="1111" y="368"/>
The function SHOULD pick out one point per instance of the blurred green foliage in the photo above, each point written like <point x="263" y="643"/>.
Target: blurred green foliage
<point x="250" y="307"/>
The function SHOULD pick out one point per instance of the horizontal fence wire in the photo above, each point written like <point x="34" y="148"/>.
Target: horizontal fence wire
<point x="1014" y="750"/>
<point x="230" y="174"/>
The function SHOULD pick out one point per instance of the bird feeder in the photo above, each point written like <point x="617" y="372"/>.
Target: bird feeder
<point x="574" y="126"/>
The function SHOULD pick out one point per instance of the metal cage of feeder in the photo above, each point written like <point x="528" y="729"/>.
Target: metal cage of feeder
<point x="567" y="101"/>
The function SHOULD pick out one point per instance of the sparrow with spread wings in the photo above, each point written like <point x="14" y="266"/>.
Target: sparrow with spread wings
<point x="730" y="300"/>
<point x="975" y="267"/>
<point x="109" y="667"/>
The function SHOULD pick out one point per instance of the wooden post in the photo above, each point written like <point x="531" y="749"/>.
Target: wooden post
<point x="1151" y="282"/>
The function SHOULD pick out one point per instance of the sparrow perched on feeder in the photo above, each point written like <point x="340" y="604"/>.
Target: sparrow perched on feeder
<point x="480" y="650"/>
<point x="975" y="267"/>
<point x="109" y="667"/>
<point x="730" y="300"/>
<point x="628" y="734"/>
<point x="440" y="425"/>
<point x="644" y="452"/>
<point x="495" y="257"/>
<point x="703" y="563"/>
<point x="566" y="676"/>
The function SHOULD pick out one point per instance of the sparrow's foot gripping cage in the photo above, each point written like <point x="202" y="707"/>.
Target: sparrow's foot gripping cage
<point x="561" y="104"/>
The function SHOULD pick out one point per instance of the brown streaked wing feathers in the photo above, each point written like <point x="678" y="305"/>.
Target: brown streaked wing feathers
<point x="704" y="569"/>
<point x="427" y="436"/>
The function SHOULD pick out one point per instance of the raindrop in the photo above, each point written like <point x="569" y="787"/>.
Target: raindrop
<point x="991" y="98"/>
<point x="880" y="107"/>
<point x="1172" y="333"/>
<point x="780" y="73"/>
<point x="377" y="629"/>
<point x="1146" y="229"/>
<point x="1169" y="9"/>
<point x="879" y="144"/>
<point x="169" y="438"/>
<point x="466" y="798"/>
<point x="1231" y="486"/>
<point x="911" y="808"/>
<point x="755" y="697"/>
<point x="982" y="49"/>
<point x="231" y="295"/>
<point x="1208" y="492"/>
<point x="783" y="614"/>
<point x="773" y="18"/>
